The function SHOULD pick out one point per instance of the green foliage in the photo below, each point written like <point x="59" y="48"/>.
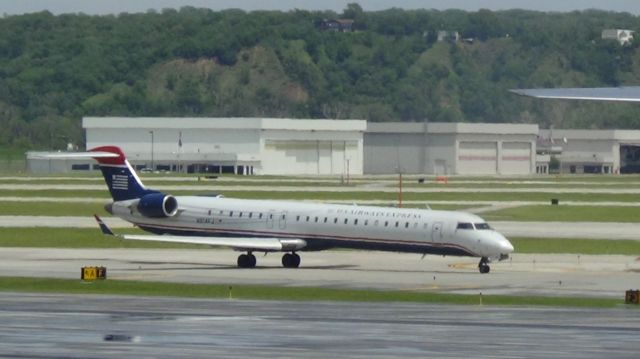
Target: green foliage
<point x="197" y="62"/>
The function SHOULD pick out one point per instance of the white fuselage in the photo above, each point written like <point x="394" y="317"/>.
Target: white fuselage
<point x="325" y="226"/>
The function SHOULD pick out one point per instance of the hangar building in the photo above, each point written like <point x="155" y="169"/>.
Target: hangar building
<point x="450" y="148"/>
<point x="270" y="146"/>
<point x="593" y="151"/>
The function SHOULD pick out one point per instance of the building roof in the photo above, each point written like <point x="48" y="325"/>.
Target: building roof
<point x="224" y="123"/>
<point x="452" y="127"/>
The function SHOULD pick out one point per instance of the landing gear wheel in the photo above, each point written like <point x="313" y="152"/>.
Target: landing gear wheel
<point x="246" y="260"/>
<point x="290" y="260"/>
<point x="483" y="267"/>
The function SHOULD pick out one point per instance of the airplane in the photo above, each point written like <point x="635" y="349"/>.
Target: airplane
<point x="287" y="226"/>
<point x="621" y="94"/>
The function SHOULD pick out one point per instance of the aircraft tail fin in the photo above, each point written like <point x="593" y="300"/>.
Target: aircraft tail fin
<point x="121" y="178"/>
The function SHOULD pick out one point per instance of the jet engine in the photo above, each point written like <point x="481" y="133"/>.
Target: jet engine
<point x="158" y="205"/>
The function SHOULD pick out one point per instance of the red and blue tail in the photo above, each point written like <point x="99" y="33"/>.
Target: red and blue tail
<point x="122" y="180"/>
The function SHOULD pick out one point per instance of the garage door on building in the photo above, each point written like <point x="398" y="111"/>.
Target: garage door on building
<point x="516" y="158"/>
<point x="476" y="158"/>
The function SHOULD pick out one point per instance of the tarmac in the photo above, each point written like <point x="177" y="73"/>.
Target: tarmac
<point x="523" y="275"/>
<point x="92" y="326"/>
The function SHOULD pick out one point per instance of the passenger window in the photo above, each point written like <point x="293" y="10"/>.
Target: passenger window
<point x="308" y="218"/>
<point x="209" y="212"/>
<point x="346" y="220"/>
<point x="397" y="224"/>
<point x="231" y="214"/>
<point x="386" y="223"/>
<point x="355" y="222"/>
<point x="316" y="219"/>
<point x="325" y="219"/>
<point x="406" y="225"/>
<point x="366" y="222"/>
<point x="335" y="220"/>
<point x="283" y="216"/>
<point x="250" y="214"/>
<point x="297" y="218"/>
<point x="464" y="225"/>
<point x="260" y="217"/>
<point x="240" y="215"/>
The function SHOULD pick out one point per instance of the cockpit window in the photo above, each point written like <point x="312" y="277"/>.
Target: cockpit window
<point x="482" y="226"/>
<point x="464" y="225"/>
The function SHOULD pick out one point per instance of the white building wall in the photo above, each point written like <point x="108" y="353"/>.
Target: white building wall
<point x="270" y="146"/>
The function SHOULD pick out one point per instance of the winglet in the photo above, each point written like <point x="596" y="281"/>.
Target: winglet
<point x="103" y="227"/>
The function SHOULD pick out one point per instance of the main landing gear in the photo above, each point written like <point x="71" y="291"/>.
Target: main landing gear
<point x="289" y="260"/>
<point x="483" y="266"/>
<point x="247" y="260"/>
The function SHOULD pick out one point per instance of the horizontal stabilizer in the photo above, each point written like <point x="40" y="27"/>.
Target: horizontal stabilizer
<point x="73" y="155"/>
<point x="242" y="243"/>
<point x="103" y="226"/>
<point x="626" y="93"/>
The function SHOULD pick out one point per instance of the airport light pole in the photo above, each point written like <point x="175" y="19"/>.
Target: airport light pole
<point x="151" y="132"/>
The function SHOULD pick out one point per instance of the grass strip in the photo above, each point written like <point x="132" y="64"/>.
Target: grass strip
<point x="257" y="292"/>
<point x="576" y="246"/>
<point x="356" y="196"/>
<point x="15" y="208"/>
<point x="43" y="237"/>
<point x="566" y="213"/>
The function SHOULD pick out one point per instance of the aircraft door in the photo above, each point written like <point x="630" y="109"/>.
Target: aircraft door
<point x="282" y="222"/>
<point x="270" y="216"/>
<point x="436" y="232"/>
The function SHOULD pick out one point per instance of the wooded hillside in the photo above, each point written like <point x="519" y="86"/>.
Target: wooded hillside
<point x="197" y="62"/>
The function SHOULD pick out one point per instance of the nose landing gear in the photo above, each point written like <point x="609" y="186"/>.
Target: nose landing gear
<point x="483" y="266"/>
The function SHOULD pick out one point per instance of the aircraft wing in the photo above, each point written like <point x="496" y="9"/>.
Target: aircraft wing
<point x="243" y="243"/>
<point x="624" y="94"/>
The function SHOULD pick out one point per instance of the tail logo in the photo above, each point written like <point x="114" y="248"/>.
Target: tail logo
<point x="120" y="182"/>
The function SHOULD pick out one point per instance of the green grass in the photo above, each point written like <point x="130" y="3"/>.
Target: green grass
<point x="12" y="208"/>
<point x="93" y="238"/>
<point x="256" y="292"/>
<point x="76" y="238"/>
<point x="568" y="213"/>
<point x="575" y="246"/>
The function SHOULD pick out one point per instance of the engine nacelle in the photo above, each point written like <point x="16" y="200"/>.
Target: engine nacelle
<point x="158" y="205"/>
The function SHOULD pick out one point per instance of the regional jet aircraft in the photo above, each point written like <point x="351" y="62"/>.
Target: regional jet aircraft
<point x="285" y="226"/>
<point x="622" y="94"/>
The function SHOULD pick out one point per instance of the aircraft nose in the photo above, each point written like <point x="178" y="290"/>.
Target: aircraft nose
<point x="506" y="247"/>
